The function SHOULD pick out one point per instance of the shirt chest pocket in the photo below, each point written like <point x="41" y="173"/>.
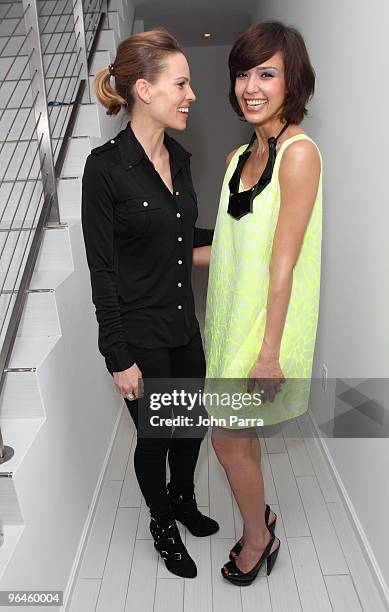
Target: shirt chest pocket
<point x="136" y="216"/>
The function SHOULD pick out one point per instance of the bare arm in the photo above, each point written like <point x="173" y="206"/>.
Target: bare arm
<point x="299" y="179"/>
<point x="201" y="256"/>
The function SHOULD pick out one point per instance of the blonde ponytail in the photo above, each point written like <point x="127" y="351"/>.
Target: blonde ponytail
<point x="141" y="56"/>
<point x="106" y="94"/>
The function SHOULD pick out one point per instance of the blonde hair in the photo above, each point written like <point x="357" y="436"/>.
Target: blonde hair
<point x="141" y="56"/>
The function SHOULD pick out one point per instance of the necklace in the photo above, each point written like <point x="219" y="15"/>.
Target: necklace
<point x="241" y="202"/>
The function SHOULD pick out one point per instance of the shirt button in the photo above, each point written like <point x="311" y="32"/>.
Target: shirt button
<point x="178" y="215"/>
<point x="179" y="262"/>
<point x="179" y="238"/>
<point x="179" y="284"/>
<point x="177" y="193"/>
<point x="145" y="203"/>
<point x="179" y="307"/>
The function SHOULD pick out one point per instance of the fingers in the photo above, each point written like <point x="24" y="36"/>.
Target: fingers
<point x="268" y="387"/>
<point x="129" y="384"/>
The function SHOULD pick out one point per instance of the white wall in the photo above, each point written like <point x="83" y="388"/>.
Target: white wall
<point x="59" y="477"/>
<point x="348" y="45"/>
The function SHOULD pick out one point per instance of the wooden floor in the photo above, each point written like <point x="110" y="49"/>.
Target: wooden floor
<point x="320" y="567"/>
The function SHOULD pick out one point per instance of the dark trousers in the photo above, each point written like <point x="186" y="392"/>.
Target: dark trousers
<point x="182" y="452"/>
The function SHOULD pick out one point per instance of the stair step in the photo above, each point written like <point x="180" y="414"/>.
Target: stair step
<point x="55" y="254"/>
<point x="78" y="151"/>
<point x="10" y="513"/>
<point x="107" y="41"/>
<point x="40" y="316"/>
<point x="19" y="434"/>
<point x="101" y="59"/>
<point x="29" y="352"/>
<point x="117" y="5"/>
<point x="11" y="535"/>
<point x="87" y="121"/>
<point x="48" y="279"/>
<point x="21" y="397"/>
<point x="69" y="198"/>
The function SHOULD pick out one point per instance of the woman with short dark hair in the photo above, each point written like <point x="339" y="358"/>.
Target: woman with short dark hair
<point x="263" y="292"/>
<point x="139" y="210"/>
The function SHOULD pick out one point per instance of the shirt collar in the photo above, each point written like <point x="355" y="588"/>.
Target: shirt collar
<point x="132" y="152"/>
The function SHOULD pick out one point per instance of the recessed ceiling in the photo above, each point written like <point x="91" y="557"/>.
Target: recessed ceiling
<point x="188" y="21"/>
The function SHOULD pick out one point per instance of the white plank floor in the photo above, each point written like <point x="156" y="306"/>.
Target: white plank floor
<point x="320" y="567"/>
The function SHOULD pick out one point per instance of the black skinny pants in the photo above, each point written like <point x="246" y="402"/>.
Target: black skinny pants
<point x="182" y="452"/>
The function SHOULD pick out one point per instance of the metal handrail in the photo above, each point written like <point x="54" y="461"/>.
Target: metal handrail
<point x="51" y="164"/>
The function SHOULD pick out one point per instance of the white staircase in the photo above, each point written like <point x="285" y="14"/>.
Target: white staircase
<point x="58" y="410"/>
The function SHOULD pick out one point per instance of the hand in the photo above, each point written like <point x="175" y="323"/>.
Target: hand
<point x="267" y="374"/>
<point x="129" y="381"/>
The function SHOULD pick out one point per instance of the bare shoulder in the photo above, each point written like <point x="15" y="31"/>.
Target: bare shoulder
<point x="300" y="170"/>
<point x="299" y="154"/>
<point x="230" y="156"/>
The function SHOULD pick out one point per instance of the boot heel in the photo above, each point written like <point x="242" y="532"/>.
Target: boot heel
<point x="270" y="561"/>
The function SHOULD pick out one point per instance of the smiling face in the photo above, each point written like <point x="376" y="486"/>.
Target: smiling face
<point x="171" y="94"/>
<point x="260" y="91"/>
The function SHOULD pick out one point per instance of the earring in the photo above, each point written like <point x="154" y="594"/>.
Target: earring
<point x="149" y="101"/>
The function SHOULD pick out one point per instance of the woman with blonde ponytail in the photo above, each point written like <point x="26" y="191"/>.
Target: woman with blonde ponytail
<point x="139" y="210"/>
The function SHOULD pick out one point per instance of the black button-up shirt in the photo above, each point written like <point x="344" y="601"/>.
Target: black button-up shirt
<point x="139" y="239"/>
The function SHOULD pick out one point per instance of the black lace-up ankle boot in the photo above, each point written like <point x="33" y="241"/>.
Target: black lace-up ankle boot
<point x="167" y="541"/>
<point x="187" y="512"/>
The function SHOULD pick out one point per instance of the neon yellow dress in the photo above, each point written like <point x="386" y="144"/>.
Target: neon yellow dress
<point x="237" y="299"/>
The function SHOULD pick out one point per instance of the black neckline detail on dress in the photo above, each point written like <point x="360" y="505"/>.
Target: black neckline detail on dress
<point x="241" y="203"/>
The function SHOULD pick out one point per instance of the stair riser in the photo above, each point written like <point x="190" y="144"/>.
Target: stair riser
<point x="55" y="254"/>
<point x="21" y="397"/>
<point x="10" y="513"/>
<point x="78" y="151"/>
<point x="118" y="5"/>
<point x="69" y="198"/>
<point x="39" y="318"/>
<point x="101" y="59"/>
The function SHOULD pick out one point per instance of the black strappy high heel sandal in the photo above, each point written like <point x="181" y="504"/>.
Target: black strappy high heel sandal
<point x="233" y="574"/>
<point x="235" y="550"/>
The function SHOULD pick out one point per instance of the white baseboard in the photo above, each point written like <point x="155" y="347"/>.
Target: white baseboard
<point x="68" y="593"/>
<point x="356" y="525"/>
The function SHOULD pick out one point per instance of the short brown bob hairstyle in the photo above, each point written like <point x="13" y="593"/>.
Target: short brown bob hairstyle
<point x="258" y="44"/>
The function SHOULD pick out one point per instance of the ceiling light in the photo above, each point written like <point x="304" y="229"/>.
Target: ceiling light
<point x="207" y="35"/>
